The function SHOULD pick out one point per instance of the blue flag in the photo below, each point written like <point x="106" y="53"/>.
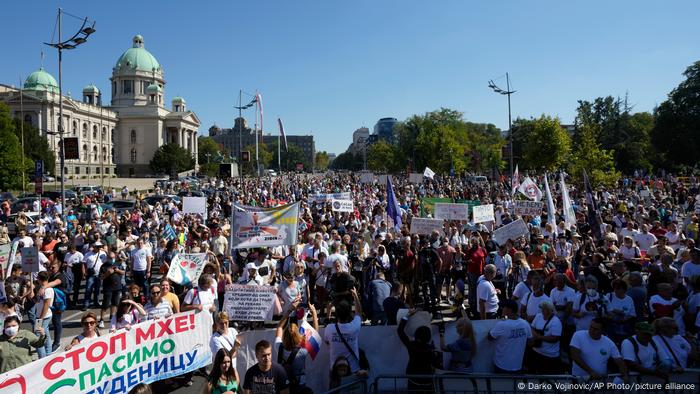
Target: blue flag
<point x="392" y="206"/>
<point x="169" y="232"/>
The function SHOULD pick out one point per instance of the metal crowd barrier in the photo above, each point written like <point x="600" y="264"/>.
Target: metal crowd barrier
<point x="356" y="387"/>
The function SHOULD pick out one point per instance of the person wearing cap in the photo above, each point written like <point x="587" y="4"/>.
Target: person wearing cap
<point x="640" y="353"/>
<point x="487" y="295"/>
<point x="543" y="356"/>
<point x="92" y="262"/>
<point x="563" y="249"/>
<point x="252" y="277"/>
<point x="510" y="337"/>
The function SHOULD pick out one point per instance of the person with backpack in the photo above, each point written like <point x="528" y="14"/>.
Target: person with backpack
<point x="640" y="353"/>
<point x="291" y="354"/>
<point x="44" y="300"/>
<point x="343" y="337"/>
<point x="203" y="297"/>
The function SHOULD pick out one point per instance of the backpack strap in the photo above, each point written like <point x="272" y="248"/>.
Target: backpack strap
<point x="635" y="345"/>
<point x="342" y="338"/>
<point x="670" y="350"/>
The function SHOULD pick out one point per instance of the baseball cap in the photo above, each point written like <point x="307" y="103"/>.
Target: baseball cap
<point x="644" y="327"/>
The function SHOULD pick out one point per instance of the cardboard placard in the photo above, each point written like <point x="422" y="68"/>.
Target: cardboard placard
<point x="483" y="213"/>
<point x="451" y="211"/>
<point x="425" y="226"/>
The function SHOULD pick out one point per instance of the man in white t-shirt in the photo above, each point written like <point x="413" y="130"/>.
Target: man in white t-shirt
<point x="645" y="239"/>
<point x="547" y="330"/>
<point x="673" y="348"/>
<point x="511" y="336"/>
<point x="640" y="353"/>
<point x="349" y="327"/>
<point x="486" y="293"/>
<point x="203" y="297"/>
<point x="530" y="304"/>
<point x="590" y="351"/>
<point x="92" y="262"/>
<point x="562" y="296"/>
<point x="43" y="312"/>
<point x="141" y="260"/>
<point x="692" y="267"/>
<point x="74" y="262"/>
<point x="335" y="256"/>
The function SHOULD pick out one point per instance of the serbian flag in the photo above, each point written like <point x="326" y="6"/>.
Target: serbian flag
<point x="284" y="137"/>
<point x="312" y="342"/>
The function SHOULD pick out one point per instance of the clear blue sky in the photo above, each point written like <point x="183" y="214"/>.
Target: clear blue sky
<point x="329" y="67"/>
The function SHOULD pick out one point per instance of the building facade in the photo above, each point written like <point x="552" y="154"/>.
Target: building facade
<point x="360" y="138"/>
<point x="117" y="139"/>
<point x="384" y="129"/>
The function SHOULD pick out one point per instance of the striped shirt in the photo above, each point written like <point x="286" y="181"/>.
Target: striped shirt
<point x="158" y="311"/>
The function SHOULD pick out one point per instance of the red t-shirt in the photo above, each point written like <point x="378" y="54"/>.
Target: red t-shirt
<point x="477" y="259"/>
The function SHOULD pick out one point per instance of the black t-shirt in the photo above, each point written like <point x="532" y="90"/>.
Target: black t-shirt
<point x="64" y="281"/>
<point x="112" y="281"/>
<point x="270" y="382"/>
<point x="61" y="249"/>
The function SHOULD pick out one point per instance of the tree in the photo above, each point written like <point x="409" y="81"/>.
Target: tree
<point x="171" y="159"/>
<point x="209" y="149"/>
<point x="383" y="157"/>
<point x="263" y="153"/>
<point x="348" y="161"/>
<point x="598" y="163"/>
<point x="11" y="171"/>
<point x="289" y="157"/>
<point x="322" y="160"/>
<point x="36" y="147"/>
<point x="546" y="144"/>
<point x="676" y="134"/>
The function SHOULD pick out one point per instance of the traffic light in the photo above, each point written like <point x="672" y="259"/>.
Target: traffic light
<point x="245" y="156"/>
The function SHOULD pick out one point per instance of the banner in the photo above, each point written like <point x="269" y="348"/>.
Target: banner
<point x="249" y="302"/>
<point x="525" y="207"/>
<point x="428" y="173"/>
<point x="148" y="352"/>
<point x="342" y="205"/>
<point x="427" y="205"/>
<point x="185" y="268"/>
<point x="367" y="177"/>
<point x="195" y="205"/>
<point x="567" y="208"/>
<point x="5" y="260"/>
<point x="415" y="177"/>
<point x="483" y="213"/>
<point x="551" y="210"/>
<point x="30" y="259"/>
<point x="512" y="230"/>
<point x="265" y="227"/>
<point x="451" y="211"/>
<point x="425" y="226"/>
<point x="381" y="179"/>
<point x="328" y="197"/>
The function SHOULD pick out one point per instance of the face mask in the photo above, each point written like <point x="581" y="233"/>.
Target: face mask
<point x="11" y="331"/>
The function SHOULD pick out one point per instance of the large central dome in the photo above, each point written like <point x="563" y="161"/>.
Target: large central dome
<point x="138" y="58"/>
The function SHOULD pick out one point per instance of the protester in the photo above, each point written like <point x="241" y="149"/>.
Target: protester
<point x="591" y="350"/>
<point x="16" y="345"/>
<point x="544" y="357"/>
<point x="462" y="350"/>
<point x="641" y="354"/>
<point x="223" y="378"/>
<point x="224" y="337"/>
<point x="265" y="376"/>
<point x="510" y="336"/>
<point x="89" y="323"/>
<point x="288" y="341"/>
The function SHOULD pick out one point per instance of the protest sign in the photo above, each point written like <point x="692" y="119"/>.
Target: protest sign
<point x="249" y="302"/>
<point x="427" y="205"/>
<point x="525" y="207"/>
<point x="381" y="179"/>
<point x="5" y="259"/>
<point x="114" y="363"/>
<point x="328" y="197"/>
<point x="342" y="205"/>
<point x="512" y="230"/>
<point x="195" y="205"/>
<point x="470" y="203"/>
<point x="415" y="177"/>
<point x="256" y="227"/>
<point x="425" y="226"/>
<point x="451" y="211"/>
<point x="367" y="177"/>
<point x="483" y="213"/>
<point x="30" y="259"/>
<point x="185" y="268"/>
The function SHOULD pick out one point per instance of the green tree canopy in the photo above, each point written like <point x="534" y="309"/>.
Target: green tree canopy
<point x="676" y="134"/>
<point x="348" y="161"/>
<point x="322" y="160"/>
<point x="171" y="159"/>
<point x="208" y="151"/>
<point x="598" y="163"/>
<point x="545" y="143"/>
<point x="383" y="157"/>
<point x="289" y="158"/>
<point x="263" y="153"/>
<point x="11" y="172"/>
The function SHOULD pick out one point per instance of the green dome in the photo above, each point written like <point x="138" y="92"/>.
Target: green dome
<point x="41" y="80"/>
<point x="178" y="99"/>
<point x="138" y="58"/>
<point x="91" y="88"/>
<point x="153" y="89"/>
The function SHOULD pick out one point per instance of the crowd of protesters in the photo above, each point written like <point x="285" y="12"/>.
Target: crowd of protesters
<point x="621" y="284"/>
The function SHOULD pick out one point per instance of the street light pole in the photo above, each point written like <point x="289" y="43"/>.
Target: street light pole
<point x="78" y="38"/>
<point x="506" y="92"/>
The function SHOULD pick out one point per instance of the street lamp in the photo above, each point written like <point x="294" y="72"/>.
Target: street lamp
<point x="78" y="38"/>
<point x="506" y="92"/>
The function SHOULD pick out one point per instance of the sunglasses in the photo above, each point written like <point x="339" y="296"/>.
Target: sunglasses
<point x="89" y="323"/>
<point x="155" y="292"/>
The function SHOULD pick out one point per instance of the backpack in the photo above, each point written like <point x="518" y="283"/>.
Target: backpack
<point x="288" y="365"/>
<point x="59" y="301"/>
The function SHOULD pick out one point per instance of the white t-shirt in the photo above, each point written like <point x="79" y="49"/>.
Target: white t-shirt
<point x="521" y="291"/>
<point x="205" y="298"/>
<point x="625" y="305"/>
<point x="139" y="259"/>
<point x="330" y="261"/>
<point x="562" y="297"/>
<point x="689" y="269"/>
<point x="677" y="344"/>
<point x="647" y="355"/>
<point x="511" y="338"/>
<point x="645" y="241"/>
<point x="226" y="341"/>
<point x="532" y="303"/>
<point x="46" y="298"/>
<point x="351" y="333"/>
<point x="94" y="260"/>
<point x="487" y="292"/>
<point x="583" y="322"/>
<point x="594" y="352"/>
<point x="549" y="349"/>
<point x="73" y="258"/>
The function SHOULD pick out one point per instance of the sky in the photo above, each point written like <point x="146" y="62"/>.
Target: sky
<point x="329" y="67"/>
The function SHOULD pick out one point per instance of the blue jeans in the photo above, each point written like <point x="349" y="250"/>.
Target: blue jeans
<point x="92" y="290"/>
<point x="46" y="349"/>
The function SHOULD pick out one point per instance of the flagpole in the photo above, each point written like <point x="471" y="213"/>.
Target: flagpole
<point x="257" y="156"/>
<point x="240" y="134"/>
<point x="279" y="159"/>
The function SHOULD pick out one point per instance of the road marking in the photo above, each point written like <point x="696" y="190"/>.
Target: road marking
<point x="71" y="317"/>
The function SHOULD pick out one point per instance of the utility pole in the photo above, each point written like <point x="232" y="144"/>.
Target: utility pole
<point x="506" y="92"/>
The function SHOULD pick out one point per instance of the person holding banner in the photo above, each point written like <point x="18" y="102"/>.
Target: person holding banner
<point x="90" y="332"/>
<point x="16" y="346"/>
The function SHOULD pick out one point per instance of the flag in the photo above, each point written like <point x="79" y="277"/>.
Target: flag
<point x="392" y="206"/>
<point x="169" y="232"/>
<point x="515" y="182"/>
<point x="428" y="173"/>
<point x="312" y="340"/>
<point x="551" y="210"/>
<point x="250" y="104"/>
<point x="258" y="101"/>
<point x="569" y="214"/>
<point x="284" y="137"/>
<point x="530" y="189"/>
<point x="592" y="208"/>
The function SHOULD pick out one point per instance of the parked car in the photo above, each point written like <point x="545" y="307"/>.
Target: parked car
<point x="49" y="178"/>
<point x="191" y="193"/>
<point x="56" y="194"/>
<point x="26" y="204"/>
<point x="88" y="190"/>
<point x="7" y="196"/>
<point x="32" y="220"/>
<point x="120" y="206"/>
